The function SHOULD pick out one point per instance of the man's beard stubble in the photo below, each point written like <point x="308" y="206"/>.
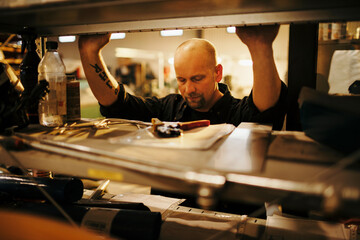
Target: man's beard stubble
<point x="195" y="105"/>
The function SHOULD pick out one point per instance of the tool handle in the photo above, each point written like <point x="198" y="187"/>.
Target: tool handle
<point x="194" y="124"/>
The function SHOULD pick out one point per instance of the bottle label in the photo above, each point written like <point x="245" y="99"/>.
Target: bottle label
<point x="52" y="110"/>
<point x="73" y="101"/>
<point x="61" y="94"/>
<point x="99" y="219"/>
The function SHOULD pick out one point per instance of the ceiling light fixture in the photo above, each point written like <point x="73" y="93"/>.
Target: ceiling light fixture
<point x="171" y="33"/>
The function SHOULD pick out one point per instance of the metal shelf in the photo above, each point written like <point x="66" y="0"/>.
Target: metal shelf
<point x="79" y="17"/>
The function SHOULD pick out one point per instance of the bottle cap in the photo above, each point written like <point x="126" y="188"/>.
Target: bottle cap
<point x="51" y="45"/>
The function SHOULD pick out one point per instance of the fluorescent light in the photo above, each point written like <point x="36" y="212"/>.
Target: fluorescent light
<point x="171" y="61"/>
<point x="219" y="60"/>
<point x="171" y="33"/>
<point x="245" y="62"/>
<point x="231" y="29"/>
<point x="118" y="35"/>
<point x="65" y="39"/>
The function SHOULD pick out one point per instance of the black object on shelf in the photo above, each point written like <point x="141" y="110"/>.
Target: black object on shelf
<point x="61" y="189"/>
<point x="354" y="88"/>
<point x="125" y="223"/>
<point x="111" y="204"/>
<point x="333" y="120"/>
<point x="29" y="71"/>
<point x="11" y="111"/>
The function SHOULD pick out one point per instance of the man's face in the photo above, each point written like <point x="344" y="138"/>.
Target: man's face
<point x="197" y="79"/>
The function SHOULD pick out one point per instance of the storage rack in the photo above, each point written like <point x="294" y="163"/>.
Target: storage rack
<point x="84" y="17"/>
<point x="66" y="17"/>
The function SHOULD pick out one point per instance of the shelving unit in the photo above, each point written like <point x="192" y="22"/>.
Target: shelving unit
<point x="79" y="17"/>
<point x="68" y="17"/>
<point x="327" y="49"/>
<point x="84" y="17"/>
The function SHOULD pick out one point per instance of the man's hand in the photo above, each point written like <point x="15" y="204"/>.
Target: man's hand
<point x="103" y="85"/>
<point x="267" y="84"/>
<point x="253" y="35"/>
<point x="93" y="43"/>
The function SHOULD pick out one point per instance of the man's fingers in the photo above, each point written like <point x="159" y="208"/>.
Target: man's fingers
<point x="263" y="33"/>
<point x="96" y="41"/>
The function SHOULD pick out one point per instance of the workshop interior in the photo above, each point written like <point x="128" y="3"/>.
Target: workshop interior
<point x="79" y="175"/>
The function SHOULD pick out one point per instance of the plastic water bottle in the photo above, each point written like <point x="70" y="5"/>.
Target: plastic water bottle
<point x="52" y="109"/>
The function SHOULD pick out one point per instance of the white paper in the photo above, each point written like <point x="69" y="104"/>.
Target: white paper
<point x="344" y="70"/>
<point x="198" y="138"/>
<point x="156" y="203"/>
<point x="99" y="219"/>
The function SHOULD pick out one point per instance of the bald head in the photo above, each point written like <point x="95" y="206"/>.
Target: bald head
<point x="198" y="74"/>
<point x="197" y="47"/>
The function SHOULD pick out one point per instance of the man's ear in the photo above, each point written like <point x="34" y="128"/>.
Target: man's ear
<point x="219" y="72"/>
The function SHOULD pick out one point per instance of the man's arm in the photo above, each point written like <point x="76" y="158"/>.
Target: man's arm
<point x="267" y="83"/>
<point x="103" y="85"/>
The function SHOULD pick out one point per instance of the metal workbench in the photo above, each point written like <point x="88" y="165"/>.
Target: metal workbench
<point x="250" y="165"/>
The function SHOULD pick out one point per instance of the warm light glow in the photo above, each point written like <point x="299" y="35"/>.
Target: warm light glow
<point x="65" y="39"/>
<point x="171" y="33"/>
<point x="231" y="29"/>
<point x="245" y="62"/>
<point x="118" y="35"/>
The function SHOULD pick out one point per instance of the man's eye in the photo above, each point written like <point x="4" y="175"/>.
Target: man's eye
<point x="181" y="80"/>
<point x="197" y="78"/>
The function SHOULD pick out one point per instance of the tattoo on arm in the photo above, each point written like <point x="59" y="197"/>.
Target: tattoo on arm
<point x="103" y="76"/>
<point x="97" y="68"/>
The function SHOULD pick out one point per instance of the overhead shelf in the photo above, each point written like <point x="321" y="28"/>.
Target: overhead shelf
<point x="91" y="16"/>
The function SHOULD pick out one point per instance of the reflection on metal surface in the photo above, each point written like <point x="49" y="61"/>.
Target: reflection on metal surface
<point x="190" y="173"/>
<point x="278" y="184"/>
<point x="205" y="178"/>
<point x="115" y="159"/>
<point x="243" y="151"/>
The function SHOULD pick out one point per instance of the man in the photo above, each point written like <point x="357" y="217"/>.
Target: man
<point x="198" y="76"/>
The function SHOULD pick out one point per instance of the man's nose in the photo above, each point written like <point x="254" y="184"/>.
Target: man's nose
<point x="190" y="87"/>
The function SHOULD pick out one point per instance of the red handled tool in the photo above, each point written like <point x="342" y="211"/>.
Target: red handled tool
<point x="194" y="124"/>
<point x="174" y="130"/>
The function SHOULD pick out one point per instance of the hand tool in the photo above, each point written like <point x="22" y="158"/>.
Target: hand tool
<point x="166" y="130"/>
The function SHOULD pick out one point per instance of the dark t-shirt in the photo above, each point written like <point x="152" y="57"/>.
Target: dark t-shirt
<point x="174" y="108"/>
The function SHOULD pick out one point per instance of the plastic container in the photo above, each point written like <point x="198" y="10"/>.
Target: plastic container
<point x="52" y="109"/>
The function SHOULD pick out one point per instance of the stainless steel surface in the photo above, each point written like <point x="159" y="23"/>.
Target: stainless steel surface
<point x="91" y="154"/>
<point x="87" y="153"/>
<point x="79" y="151"/>
<point x="76" y="17"/>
